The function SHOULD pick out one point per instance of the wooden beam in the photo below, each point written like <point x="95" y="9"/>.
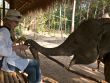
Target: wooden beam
<point x="12" y="4"/>
<point x="25" y="4"/>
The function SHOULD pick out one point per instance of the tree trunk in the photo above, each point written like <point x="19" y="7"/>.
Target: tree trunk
<point x="65" y="17"/>
<point x="73" y="16"/>
<point x="88" y="10"/>
<point x="96" y="10"/>
<point x="60" y="25"/>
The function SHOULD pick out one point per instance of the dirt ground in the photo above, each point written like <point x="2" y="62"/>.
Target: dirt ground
<point x="54" y="73"/>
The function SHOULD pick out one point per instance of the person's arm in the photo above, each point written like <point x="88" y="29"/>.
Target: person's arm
<point x="5" y="49"/>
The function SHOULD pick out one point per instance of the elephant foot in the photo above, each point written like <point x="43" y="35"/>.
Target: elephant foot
<point x="98" y="64"/>
<point x="94" y="69"/>
<point x="72" y="62"/>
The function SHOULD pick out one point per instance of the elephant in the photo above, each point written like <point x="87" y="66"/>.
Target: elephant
<point x="89" y="42"/>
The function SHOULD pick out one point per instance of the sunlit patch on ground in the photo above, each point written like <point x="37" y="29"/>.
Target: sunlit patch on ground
<point x="49" y="80"/>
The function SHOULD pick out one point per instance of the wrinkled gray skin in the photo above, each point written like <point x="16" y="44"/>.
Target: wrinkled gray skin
<point x="88" y="42"/>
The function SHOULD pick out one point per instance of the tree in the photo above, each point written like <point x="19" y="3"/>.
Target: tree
<point x="73" y="16"/>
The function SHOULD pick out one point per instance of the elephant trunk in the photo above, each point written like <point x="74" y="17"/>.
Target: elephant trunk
<point x="57" y="51"/>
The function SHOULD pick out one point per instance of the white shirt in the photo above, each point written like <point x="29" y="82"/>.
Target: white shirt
<point x="10" y="56"/>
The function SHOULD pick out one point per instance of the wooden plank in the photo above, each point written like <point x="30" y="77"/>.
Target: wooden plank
<point x="11" y="80"/>
<point x="6" y="77"/>
<point x="16" y="80"/>
<point x="24" y="75"/>
<point x="20" y="77"/>
<point x="1" y="77"/>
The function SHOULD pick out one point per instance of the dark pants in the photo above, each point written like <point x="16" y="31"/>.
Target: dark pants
<point x="33" y="71"/>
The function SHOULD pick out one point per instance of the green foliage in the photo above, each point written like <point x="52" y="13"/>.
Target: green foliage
<point x="18" y="31"/>
<point x="52" y="20"/>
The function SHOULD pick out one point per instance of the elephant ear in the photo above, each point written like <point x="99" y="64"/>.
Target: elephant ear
<point x="86" y="38"/>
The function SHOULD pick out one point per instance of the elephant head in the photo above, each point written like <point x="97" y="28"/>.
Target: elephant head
<point x="84" y="43"/>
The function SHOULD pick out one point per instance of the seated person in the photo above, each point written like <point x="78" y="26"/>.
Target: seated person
<point x="11" y="60"/>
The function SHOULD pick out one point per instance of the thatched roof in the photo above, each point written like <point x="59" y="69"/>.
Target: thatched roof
<point x="30" y="5"/>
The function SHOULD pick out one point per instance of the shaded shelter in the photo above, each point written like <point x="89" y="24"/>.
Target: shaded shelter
<point x="24" y="6"/>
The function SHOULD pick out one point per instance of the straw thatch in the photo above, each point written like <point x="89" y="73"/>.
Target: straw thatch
<point x="30" y="5"/>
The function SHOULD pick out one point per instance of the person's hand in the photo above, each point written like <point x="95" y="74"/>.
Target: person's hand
<point x="23" y="47"/>
<point x="20" y="47"/>
<point x="21" y="51"/>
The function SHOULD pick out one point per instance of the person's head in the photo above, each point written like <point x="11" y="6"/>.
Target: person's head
<point x="12" y="18"/>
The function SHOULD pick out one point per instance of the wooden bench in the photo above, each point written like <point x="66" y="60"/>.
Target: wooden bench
<point x="12" y="77"/>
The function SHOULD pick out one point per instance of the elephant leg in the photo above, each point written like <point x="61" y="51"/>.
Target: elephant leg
<point x="71" y="62"/>
<point x="107" y="67"/>
<point x="98" y="65"/>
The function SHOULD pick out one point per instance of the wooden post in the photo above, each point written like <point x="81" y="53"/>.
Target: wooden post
<point x="3" y="8"/>
<point x="0" y="17"/>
